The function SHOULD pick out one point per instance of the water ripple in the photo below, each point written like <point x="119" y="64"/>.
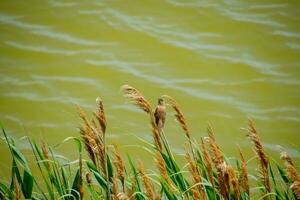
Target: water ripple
<point x="90" y="12"/>
<point x="277" y="148"/>
<point x="268" y="6"/>
<point x="17" y="82"/>
<point x="287" y="34"/>
<point x="12" y="20"/>
<point x="293" y="46"/>
<point x="31" y="124"/>
<point x="40" y="98"/>
<point x="262" y="67"/>
<point x="77" y="80"/>
<point x="175" y="37"/>
<point x="62" y="4"/>
<point x="253" y="18"/>
<point x="48" y="50"/>
<point x="127" y="67"/>
<point x="287" y="81"/>
<point x="71" y="39"/>
<point x="229" y="100"/>
<point x="193" y="4"/>
<point x="47" y="31"/>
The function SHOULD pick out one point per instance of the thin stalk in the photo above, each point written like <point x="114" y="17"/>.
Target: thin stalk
<point x="55" y="166"/>
<point x="106" y="170"/>
<point x="197" y="166"/>
<point x="167" y="146"/>
<point x="166" y="143"/>
<point x="51" y="194"/>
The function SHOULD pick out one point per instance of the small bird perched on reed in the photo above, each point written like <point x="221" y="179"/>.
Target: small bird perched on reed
<point x="160" y="113"/>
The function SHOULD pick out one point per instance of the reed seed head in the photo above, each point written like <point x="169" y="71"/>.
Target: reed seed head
<point x="296" y="188"/>
<point x="261" y="155"/>
<point x="115" y="189"/>
<point x="195" y="174"/>
<point x="119" y="164"/>
<point x="196" y="194"/>
<point x="136" y="98"/>
<point x="17" y="192"/>
<point x="215" y="149"/>
<point x="156" y="138"/>
<point x="89" y="142"/>
<point x="291" y="173"/>
<point x="234" y="183"/>
<point x="100" y="114"/>
<point x="179" y="114"/>
<point x="148" y="187"/>
<point x="82" y="115"/>
<point x="46" y="153"/>
<point x="243" y="177"/>
<point x="162" y="168"/>
<point x="207" y="162"/>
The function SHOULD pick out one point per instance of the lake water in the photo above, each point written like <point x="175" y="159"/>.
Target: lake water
<point x="223" y="61"/>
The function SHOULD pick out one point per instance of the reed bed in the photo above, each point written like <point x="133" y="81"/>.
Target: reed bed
<point x="105" y="174"/>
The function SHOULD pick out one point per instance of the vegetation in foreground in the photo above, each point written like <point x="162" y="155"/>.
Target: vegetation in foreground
<point x="210" y="175"/>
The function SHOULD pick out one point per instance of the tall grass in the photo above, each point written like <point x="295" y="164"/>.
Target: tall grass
<point x="105" y="174"/>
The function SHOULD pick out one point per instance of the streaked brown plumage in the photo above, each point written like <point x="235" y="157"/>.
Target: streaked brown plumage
<point x="160" y="113"/>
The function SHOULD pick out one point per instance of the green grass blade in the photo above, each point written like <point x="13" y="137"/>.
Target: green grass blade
<point x="35" y="150"/>
<point x="102" y="182"/>
<point x="166" y="189"/>
<point x="283" y="174"/>
<point x="27" y="185"/>
<point x="109" y="168"/>
<point x="5" y="192"/>
<point x="64" y="177"/>
<point x="75" y="186"/>
<point x="15" y="173"/>
<point x="139" y="195"/>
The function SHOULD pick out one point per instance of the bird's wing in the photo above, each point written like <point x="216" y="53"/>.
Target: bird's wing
<point x="156" y="115"/>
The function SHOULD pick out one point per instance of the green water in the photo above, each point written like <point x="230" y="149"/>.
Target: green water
<point x="223" y="61"/>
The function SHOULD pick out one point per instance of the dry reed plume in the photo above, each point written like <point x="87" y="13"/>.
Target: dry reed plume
<point x="17" y="192"/>
<point x="196" y="176"/>
<point x="215" y="149"/>
<point x="93" y="136"/>
<point x="147" y="184"/>
<point x="136" y="98"/>
<point x="120" y="166"/>
<point x="115" y="189"/>
<point x="89" y="142"/>
<point x="243" y="177"/>
<point x="234" y="183"/>
<point x="196" y="194"/>
<point x="139" y="100"/>
<point x="46" y="154"/>
<point x="207" y="162"/>
<point x="100" y="115"/>
<point x="179" y="114"/>
<point x="292" y="173"/>
<point x="224" y="180"/>
<point x="220" y="165"/>
<point x="157" y="139"/>
<point x="162" y="168"/>
<point x="261" y="155"/>
<point x="130" y="192"/>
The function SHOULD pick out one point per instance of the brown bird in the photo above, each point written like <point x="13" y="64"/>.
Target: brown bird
<point x="160" y="113"/>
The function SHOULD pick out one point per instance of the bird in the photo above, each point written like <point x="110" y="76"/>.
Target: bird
<point x="160" y="114"/>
